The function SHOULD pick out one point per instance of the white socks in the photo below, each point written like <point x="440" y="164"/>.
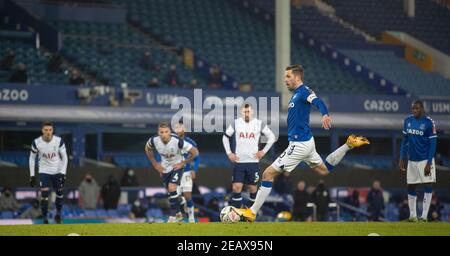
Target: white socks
<point x="426" y="204"/>
<point x="412" y="206"/>
<point x="337" y="155"/>
<point x="261" y="196"/>
<point x="190" y="211"/>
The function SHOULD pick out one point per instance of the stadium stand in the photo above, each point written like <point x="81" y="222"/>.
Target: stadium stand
<point x="399" y="71"/>
<point x="111" y="53"/>
<point x="173" y="22"/>
<point x="430" y="24"/>
<point x="316" y="24"/>
<point x="36" y="61"/>
<point x="384" y="62"/>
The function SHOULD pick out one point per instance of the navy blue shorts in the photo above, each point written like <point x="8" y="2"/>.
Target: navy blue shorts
<point x="172" y="177"/>
<point x="247" y="173"/>
<point x="54" y="181"/>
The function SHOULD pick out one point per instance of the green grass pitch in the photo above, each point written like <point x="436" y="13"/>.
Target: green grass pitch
<point x="238" y="229"/>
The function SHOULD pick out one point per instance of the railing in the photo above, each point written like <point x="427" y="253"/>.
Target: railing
<point x="357" y="210"/>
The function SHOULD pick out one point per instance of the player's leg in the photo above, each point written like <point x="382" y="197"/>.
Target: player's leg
<point x="336" y="156"/>
<point x="173" y="201"/>
<point x="269" y="175"/>
<point x="427" y="195"/>
<point x="44" y="184"/>
<point x="186" y="188"/>
<point x="314" y="161"/>
<point x="252" y="179"/>
<point x="58" y="186"/>
<point x="287" y="161"/>
<point x="428" y="187"/>
<point x="412" y="202"/>
<point x="172" y="180"/>
<point x="236" y="195"/>
<point x="321" y="169"/>
<point x="412" y="179"/>
<point x="237" y="185"/>
<point x="252" y="190"/>
<point x="180" y="196"/>
<point x="190" y="206"/>
<point x="181" y="199"/>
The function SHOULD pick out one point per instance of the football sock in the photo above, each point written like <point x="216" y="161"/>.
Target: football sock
<point x="59" y="202"/>
<point x="174" y="203"/>
<point x="263" y="193"/>
<point x="236" y="200"/>
<point x="182" y="202"/>
<point x="426" y="201"/>
<point x="412" y="198"/>
<point x="44" y="207"/>
<point x="190" y="207"/>
<point x="251" y="200"/>
<point x="44" y="203"/>
<point x="334" y="158"/>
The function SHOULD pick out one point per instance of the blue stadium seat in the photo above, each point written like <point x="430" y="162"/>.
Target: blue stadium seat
<point x="101" y="213"/>
<point x="220" y="29"/>
<point x="113" y="213"/>
<point x="430" y="24"/>
<point x="402" y="73"/>
<point x="155" y="213"/>
<point x="7" y="214"/>
<point x="90" y="213"/>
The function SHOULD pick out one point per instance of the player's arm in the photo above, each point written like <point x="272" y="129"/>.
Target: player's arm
<point x="270" y="140"/>
<point x="316" y="101"/>
<point x="226" y="143"/>
<point x="32" y="164"/>
<point x="64" y="158"/>
<point x="195" y="166"/>
<point x="151" y="157"/>
<point x="403" y="149"/>
<point x="193" y="152"/>
<point x="432" y="136"/>
<point x="196" y="162"/>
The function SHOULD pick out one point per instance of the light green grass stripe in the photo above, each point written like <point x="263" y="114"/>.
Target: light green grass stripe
<point x="238" y="229"/>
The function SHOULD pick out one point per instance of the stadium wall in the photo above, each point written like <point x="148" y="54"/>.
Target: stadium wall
<point x="221" y="177"/>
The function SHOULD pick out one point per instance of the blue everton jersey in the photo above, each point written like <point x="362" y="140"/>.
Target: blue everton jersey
<point x="419" y="132"/>
<point x="298" y="114"/>
<point x="194" y="164"/>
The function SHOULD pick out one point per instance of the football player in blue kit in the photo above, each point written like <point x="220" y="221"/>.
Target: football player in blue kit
<point x="417" y="158"/>
<point x="301" y="141"/>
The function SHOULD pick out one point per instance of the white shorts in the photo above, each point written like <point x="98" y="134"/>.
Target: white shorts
<point x="185" y="183"/>
<point x="297" y="152"/>
<point x="415" y="173"/>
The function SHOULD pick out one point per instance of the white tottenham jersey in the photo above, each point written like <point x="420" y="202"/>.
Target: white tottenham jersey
<point x="172" y="152"/>
<point x="247" y="135"/>
<point x="52" y="156"/>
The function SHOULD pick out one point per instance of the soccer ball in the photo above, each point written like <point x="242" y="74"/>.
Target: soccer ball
<point x="283" y="216"/>
<point x="229" y="214"/>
